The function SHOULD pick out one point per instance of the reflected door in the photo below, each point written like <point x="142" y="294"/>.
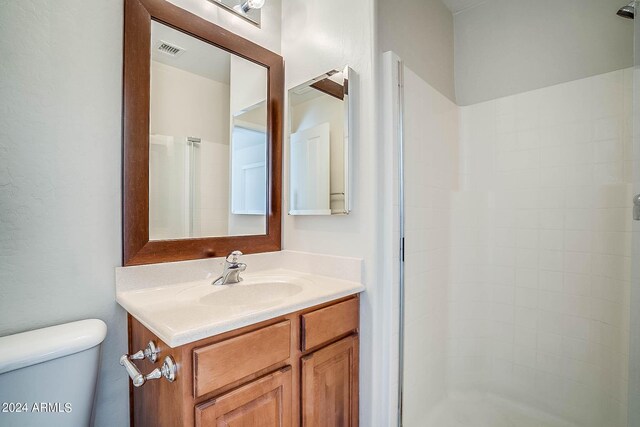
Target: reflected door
<point x="310" y="174"/>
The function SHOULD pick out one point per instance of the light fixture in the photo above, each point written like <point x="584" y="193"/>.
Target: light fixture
<point x="246" y="9"/>
<point x="251" y="4"/>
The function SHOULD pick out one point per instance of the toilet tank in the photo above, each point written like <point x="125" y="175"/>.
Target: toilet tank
<point x="48" y="376"/>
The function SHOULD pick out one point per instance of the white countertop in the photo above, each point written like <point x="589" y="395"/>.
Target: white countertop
<point x="186" y="312"/>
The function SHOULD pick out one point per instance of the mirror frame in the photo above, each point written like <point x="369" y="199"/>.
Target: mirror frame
<point x="137" y="248"/>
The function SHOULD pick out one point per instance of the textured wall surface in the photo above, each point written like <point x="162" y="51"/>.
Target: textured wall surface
<point x="60" y="148"/>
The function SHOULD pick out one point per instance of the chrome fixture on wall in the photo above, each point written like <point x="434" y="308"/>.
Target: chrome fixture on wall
<point x="168" y="369"/>
<point x="628" y="11"/>
<point x="246" y="9"/>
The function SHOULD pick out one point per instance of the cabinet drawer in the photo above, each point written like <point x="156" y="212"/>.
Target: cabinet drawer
<point x="225" y="362"/>
<point x="321" y="326"/>
<point x="265" y="402"/>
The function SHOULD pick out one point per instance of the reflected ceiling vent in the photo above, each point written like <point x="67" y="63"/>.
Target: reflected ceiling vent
<point x="169" y="49"/>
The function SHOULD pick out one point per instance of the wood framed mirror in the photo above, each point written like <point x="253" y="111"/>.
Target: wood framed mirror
<point x="202" y="138"/>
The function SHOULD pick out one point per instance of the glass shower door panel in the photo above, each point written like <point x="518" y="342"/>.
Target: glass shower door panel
<point x="169" y="186"/>
<point x="430" y="140"/>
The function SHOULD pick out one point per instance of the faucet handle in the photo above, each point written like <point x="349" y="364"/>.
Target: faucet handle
<point x="234" y="256"/>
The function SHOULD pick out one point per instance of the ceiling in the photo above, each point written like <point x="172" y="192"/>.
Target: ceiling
<point x="456" y="6"/>
<point x="198" y="57"/>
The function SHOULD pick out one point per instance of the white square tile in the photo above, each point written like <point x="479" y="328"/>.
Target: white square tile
<point x="551" y="260"/>
<point x="552" y="219"/>
<point x="526" y="297"/>
<point x="551" y="240"/>
<point x="551" y="281"/>
<point x="577" y="262"/>
<point x="526" y="317"/>
<point x="527" y="278"/>
<point x="549" y="343"/>
<point x="577" y="284"/>
<point x="527" y="238"/>
<point x="527" y="258"/>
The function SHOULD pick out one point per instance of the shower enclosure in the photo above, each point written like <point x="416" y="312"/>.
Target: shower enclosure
<point x="518" y="294"/>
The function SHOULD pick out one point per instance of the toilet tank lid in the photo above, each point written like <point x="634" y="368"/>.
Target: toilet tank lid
<point x="41" y="345"/>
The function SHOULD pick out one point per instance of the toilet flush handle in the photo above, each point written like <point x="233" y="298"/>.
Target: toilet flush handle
<point x="136" y="376"/>
<point x="168" y="370"/>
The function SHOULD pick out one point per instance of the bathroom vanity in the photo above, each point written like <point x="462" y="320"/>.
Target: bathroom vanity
<point x="296" y="369"/>
<point x="279" y="348"/>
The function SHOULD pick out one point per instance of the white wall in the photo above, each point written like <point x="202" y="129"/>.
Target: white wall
<point x="184" y="105"/>
<point x="421" y="33"/>
<point x="60" y="148"/>
<point x="541" y="248"/>
<point x="505" y="47"/>
<point x="431" y="175"/>
<point x="316" y="39"/>
<point x="248" y="84"/>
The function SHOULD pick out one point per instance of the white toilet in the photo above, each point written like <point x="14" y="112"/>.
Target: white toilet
<point x="48" y="376"/>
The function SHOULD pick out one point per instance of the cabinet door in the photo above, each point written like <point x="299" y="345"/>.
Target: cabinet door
<point x="265" y="402"/>
<point x="330" y="385"/>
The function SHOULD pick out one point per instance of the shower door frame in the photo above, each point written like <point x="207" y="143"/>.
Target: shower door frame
<point x="401" y="218"/>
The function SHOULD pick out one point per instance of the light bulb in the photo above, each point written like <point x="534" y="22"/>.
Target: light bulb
<point x="252" y="4"/>
<point x="255" y="4"/>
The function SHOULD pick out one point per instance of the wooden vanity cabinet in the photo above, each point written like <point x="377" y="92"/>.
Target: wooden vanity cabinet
<point x="330" y="385"/>
<point x="265" y="402"/>
<point x="300" y="369"/>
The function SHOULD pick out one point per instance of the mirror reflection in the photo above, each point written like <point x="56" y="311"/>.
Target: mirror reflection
<point x="207" y="140"/>
<point x="319" y="145"/>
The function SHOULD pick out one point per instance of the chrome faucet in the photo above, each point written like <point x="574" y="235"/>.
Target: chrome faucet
<point x="232" y="270"/>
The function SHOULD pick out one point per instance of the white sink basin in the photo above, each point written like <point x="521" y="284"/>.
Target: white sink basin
<point x="262" y="291"/>
<point x="239" y="294"/>
<point x="186" y="312"/>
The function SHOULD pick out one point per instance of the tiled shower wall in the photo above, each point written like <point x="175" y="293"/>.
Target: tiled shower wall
<point x="541" y="245"/>
<point x="431" y="174"/>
